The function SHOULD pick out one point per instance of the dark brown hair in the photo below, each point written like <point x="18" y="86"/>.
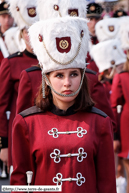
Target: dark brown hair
<point x="83" y="101"/>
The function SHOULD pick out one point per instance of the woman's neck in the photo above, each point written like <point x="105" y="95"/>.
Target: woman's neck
<point x="63" y="106"/>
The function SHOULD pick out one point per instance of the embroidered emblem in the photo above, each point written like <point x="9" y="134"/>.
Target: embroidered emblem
<point x="111" y="28"/>
<point x="57" y="156"/>
<point x="32" y="11"/>
<point x="59" y="179"/>
<point x="73" y="12"/>
<point x="80" y="132"/>
<point x="63" y="44"/>
<point x="92" y="8"/>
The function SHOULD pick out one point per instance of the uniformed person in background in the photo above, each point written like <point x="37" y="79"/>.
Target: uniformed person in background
<point x="94" y="12"/>
<point x="6" y="21"/>
<point x="119" y="13"/>
<point x="25" y="14"/>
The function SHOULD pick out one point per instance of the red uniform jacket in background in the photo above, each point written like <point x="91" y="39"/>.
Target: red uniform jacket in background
<point x="10" y="71"/>
<point x="120" y="96"/>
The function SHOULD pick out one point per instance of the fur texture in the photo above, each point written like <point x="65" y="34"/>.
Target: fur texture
<point x="25" y="20"/>
<point x="107" y="51"/>
<point x="102" y="29"/>
<point x="10" y="40"/>
<point x="57" y="28"/>
<point x="46" y="10"/>
<point x="124" y="32"/>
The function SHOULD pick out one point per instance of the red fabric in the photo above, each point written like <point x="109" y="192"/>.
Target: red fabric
<point x="91" y="63"/>
<point x="100" y="98"/>
<point x="10" y="71"/>
<point x="30" y="82"/>
<point x="28" y="87"/>
<point x="108" y="86"/>
<point x="32" y="146"/>
<point x="1" y="57"/>
<point x="120" y="96"/>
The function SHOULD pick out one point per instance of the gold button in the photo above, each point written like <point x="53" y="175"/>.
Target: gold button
<point x="58" y="156"/>
<point x="70" y="179"/>
<point x="59" y="180"/>
<point x="80" y="155"/>
<point x="69" y="155"/>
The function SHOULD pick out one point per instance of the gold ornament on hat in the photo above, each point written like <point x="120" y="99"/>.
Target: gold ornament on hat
<point x="31" y="11"/>
<point x="56" y="8"/>
<point x="73" y="12"/>
<point x="64" y="44"/>
<point x="40" y="38"/>
<point x="111" y="28"/>
<point x="6" y="5"/>
<point x="17" y="8"/>
<point x="92" y="8"/>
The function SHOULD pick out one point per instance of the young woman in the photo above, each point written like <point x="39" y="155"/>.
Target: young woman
<point x="63" y="140"/>
<point x="119" y="96"/>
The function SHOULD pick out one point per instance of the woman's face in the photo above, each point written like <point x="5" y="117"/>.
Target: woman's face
<point x="65" y="81"/>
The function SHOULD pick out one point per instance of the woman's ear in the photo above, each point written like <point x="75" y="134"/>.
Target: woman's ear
<point x="46" y="80"/>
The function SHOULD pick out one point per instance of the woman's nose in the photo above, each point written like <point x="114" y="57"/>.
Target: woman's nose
<point x="67" y="82"/>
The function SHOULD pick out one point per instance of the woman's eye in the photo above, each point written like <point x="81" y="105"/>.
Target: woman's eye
<point x="59" y="75"/>
<point x="74" y="74"/>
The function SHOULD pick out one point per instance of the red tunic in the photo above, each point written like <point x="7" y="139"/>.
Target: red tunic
<point x="10" y="71"/>
<point x="33" y="143"/>
<point x="120" y="96"/>
<point x="92" y="65"/>
<point x="31" y="79"/>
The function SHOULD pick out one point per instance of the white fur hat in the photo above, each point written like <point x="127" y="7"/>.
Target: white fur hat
<point x="12" y="40"/>
<point x="107" y="54"/>
<point x="124" y="32"/>
<point x="59" y="8"/>
<point x="24" y="12"/>
<point x="107" y="29"/>
<point x="60" y="43"/>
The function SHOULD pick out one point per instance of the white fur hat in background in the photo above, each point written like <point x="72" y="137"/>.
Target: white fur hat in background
<point x="108" y="54"/>
<point x="13" y="41"/>
<point x="123" y="34"/>
<point x="59" y="8"/>
<point x="24" y="12"/>
<point x="60" y="43"/>
<point x="107" y="29"/>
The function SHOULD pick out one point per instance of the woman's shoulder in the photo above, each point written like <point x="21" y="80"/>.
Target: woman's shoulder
<point x="31" y="111"/>
<point x="97" y="111"/>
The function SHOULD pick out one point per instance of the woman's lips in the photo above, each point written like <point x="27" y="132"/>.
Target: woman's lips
<point x="67" y="92"/>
